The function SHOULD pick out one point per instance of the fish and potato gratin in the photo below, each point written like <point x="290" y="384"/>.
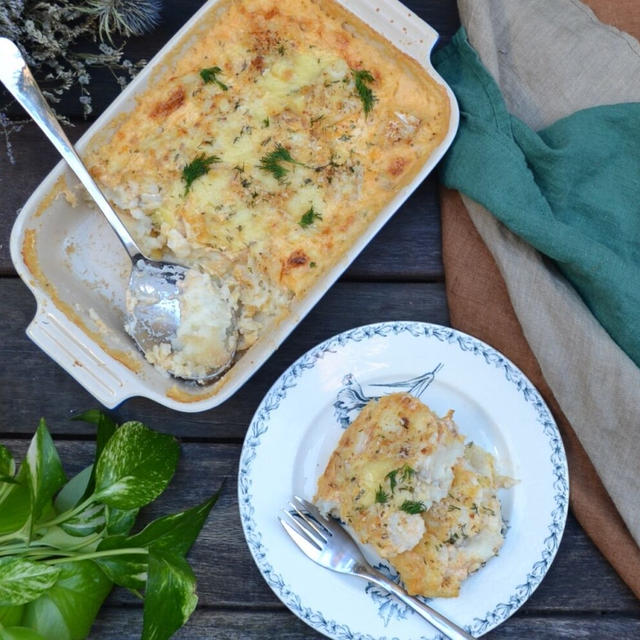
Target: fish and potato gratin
<point x="407" y="484"/>
<point x="266" y="148"/>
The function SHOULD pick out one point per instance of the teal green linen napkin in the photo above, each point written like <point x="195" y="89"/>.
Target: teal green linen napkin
<point x="571" y="190"/>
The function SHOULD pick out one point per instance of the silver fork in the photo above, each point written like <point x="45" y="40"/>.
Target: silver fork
<point x="329" y="545"/>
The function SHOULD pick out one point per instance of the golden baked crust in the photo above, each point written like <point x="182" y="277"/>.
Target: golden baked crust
<point x="264" y="79"/>
<point x="405" y="483"/>
<point x="396" y="452"/>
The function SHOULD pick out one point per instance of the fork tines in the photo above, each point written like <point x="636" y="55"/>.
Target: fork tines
<point x="305" y="525"/>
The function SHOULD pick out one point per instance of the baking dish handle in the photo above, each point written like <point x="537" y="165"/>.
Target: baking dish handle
<point x="89" y="366"/>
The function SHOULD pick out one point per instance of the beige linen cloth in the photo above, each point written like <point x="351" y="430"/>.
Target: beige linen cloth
<point x="550" y="59"/>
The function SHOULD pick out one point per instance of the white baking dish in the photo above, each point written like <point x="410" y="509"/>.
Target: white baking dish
<point x="83" y="260"/>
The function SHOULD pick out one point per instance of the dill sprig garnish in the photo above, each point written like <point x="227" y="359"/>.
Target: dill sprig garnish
<point x="413" y="507"/>
<point x="361" y="78"/>
<point x="381" y="496"/>
<point x="209" y="76"/>
<point x="272" y="162"/>
<point x="308" y="217"/>
<point x="197" y="168"/>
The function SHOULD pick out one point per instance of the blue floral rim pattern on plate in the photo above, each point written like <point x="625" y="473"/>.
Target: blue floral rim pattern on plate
<point x="289" y="379"/>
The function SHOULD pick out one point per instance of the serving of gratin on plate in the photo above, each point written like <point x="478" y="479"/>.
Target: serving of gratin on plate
<point x="407" y="484"/>
<point x="266" y="145"/>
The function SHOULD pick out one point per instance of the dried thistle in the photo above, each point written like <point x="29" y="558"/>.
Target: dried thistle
<point x="125" y="17"/>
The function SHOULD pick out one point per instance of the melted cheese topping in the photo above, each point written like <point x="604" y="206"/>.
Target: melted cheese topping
<point x="404" y="482"/>
<point x="264" y="77"/>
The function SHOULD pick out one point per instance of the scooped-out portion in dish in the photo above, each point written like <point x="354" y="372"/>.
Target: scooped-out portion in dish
<point x="267" y="146"/>
<point x="406" y="483"/>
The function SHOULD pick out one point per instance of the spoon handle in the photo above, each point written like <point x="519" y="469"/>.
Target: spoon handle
<point x="17" y="78"/>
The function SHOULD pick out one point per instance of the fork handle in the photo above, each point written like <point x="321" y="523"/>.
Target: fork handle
<point x="442" y="624"/>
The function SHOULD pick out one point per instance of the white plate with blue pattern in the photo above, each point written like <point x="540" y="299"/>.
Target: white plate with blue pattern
<point x="300" y="420"/>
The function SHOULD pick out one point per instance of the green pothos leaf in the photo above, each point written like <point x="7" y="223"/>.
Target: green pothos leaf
<point x="175" y="533"/>
<point x="71" y="494"/>
<point x="135" y="466"/>
<point x="15" y="507"/>
<point x="119" y="521"/>
<point x="10" y="616"/>
<point x="7" y="463"/>
<point x="126" y="570"/>
<point x="106" y="427"/>
<point x="68" y="609"/>
<point x="89" y="520"/>
<point x="22" y="581"/>
<point x="19" y="633"/>
<point x="170" y="596"/>
<point x="42" y="470"/>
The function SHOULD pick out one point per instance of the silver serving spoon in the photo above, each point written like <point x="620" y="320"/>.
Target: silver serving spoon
<point x="154" y="315"/>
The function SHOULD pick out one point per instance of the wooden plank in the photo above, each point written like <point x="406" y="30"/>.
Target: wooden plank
<point x="40" y="387"/>
<point x="228" y="577"/>
<point x="407" y="248"/>
<point x="126" y="624"/>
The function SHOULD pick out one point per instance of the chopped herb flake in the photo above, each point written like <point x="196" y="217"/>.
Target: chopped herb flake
<point x="196" y="169"/>
<point x="452" y="540"/>
<point x="362" y="77"/>
<point x="209" y="77"/>
<point x="308" y="217"/>
<point x="413" y="507"/>
<point x="265" y="123"/>
<point x="312" y="265"/>
<point x="392" y="479"/>
<point x="381" y="496"/>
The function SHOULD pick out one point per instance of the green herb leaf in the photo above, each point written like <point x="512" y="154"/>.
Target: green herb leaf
<point x="57" y="538"/>
<point x="72" y="493"/>
<point x="22" y="581"/>
<point x="68" y="609"/>
<point x="19" y="633"/>
<point x="308" y="217"/>
<point x="135" y="466"/>
<point x="362" y="77"/>
<point x="176" y="532"/>
<point x="106" y="427"/>
<point x="105" y="424"/>
<point x="10" y="616"/>
<point x="265" y="123"/>
<point x="272" y="162"/>
<point x="89" y="520"/>
<point x="209" y="76"/>
<point x="197" y="168"/>
<point x="41" y="470"/>
<point x="120" y="521"/>
<point x="170" y="596"/>
<point x="407" y="472"/>
<point x="127" y="570"/>
<point x="413" y="507"/>
<point x="391" y="476"/>
<point x="381" y="496"/>
<point x="7" y="463"/>
<point x="15" y="508"/>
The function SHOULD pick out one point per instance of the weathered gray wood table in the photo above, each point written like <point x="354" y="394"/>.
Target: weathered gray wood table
<point x="399" y="276"/>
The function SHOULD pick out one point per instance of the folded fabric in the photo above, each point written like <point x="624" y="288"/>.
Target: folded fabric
<point x="479" y="304"/>
<point x="551" y="59"/>
<point x="571" y="190"/>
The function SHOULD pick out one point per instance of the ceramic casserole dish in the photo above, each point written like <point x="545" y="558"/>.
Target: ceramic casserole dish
<point x="73" y="263"/>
